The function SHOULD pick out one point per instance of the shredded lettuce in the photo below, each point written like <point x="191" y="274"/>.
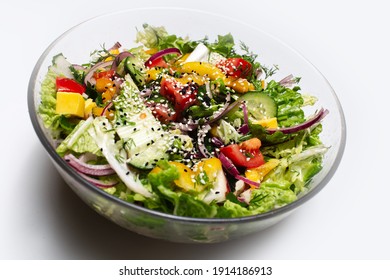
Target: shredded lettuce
<point x="227" y="133"/>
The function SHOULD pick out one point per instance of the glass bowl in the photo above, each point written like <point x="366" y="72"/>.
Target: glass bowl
<point x="77" y="43"/>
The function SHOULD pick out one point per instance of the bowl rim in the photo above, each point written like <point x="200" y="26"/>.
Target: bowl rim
<point x="263" y="216"/>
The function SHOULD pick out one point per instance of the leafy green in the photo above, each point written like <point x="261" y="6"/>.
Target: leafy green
<point x="78" y="75"/>
<point x="189" y="206"/>
<point x="289" y="102"/>
<point x="227" y="133"/>
<point x="79" y="141"/>
<point x="47" y="107"/>
<point x="158" y="37"/>
<point x="257" y="130"/>
<point x="174" y="201"/>
<point x="165" y="176"/>
<point x="224" y="45"/>
<point x="262" y="200"/>
<point x="267" y="198"/>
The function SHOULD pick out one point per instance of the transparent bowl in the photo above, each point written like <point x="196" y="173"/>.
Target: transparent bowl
<point x="77" y="43"/>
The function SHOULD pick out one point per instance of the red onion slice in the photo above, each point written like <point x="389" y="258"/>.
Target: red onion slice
<point x="106" y="108"/>
<point x="244" y="129"/>
<point x="161" y="54"/>
<point x="201" y="146"/>
<point x="247" y="181"/>
<point x="287" y="81"/>
<point x="222" y="111"/>
<point x="217" y="142"/>
<point x="116" y="46"/>
<point x="118" y="59"/>
<point x="89" y="77"/>
<point x="88" y="169"/>
<point x="245" y="112"/>
<point x="79" y="67"/>
<point x="310" y="122"/>
<point x="232" y="170"/>
<point x="228" y="165"/>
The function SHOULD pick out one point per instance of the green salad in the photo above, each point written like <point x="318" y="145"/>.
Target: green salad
<point x="195" y="128"/>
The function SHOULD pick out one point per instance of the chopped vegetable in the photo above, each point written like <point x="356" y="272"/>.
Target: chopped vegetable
<point x="185" y="127"/>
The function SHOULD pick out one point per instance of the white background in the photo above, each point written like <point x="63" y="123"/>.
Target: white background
<point x="348" y="41"/>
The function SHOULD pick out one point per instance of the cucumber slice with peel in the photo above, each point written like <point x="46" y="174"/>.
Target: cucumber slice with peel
<point x="260" y="106"/>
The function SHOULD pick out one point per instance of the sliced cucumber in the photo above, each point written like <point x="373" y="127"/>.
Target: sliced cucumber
<point x="135" y="67"/>
<point x="260" y="106"/>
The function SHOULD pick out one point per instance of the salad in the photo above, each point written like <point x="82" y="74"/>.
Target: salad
<point x="187" y="127"/>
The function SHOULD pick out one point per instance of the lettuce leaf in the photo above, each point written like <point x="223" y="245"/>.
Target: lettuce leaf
<point x="224" y="45"/>
<point x="174" y="201"/>
<point x="158" y="37"/>
<point x="262" y="200"/>
<point x="289" y="102"/>
<point x="47" y="107"/>
<point x="79" y="141"/>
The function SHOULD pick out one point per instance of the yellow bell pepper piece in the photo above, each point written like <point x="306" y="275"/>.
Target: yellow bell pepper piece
<point x="97" y="111"/>
<point x="151" y="51"/>
<point x="267" y="123"/>
<point x="213" y="72"/>
<point x="188" y="177"/>
<point x="152" y="74"/>
<point x="257" y="174"/>
<point x="182" y="59"/>
<point x="103" y="84"/>
<point x="113" y="52"/>
<point x="202" y="69"/>
<point x="89" y="105"/>
<point x="70" y="103"/>
<point x="188" y="78"/>
<point x="239" y="85"/>
<point x="209" y="166"/>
